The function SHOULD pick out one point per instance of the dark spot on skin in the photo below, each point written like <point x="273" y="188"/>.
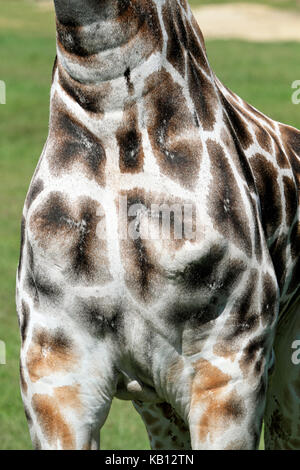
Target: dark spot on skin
<point x="215" y="280"/>
<point x="179" y="159"/>
<point x="176" y="37"/>
<point x="200" y="272"/>
<point x="35" y="189"/>
<point x="82" y="252"/>
<point x="253" y="355"/>
<point x="234" y="146"/>
<point x="140" y="269"/>
<point x="85" y="254"/>
<point x="54" y="215"/>
<point x="203" y="94"/>
<point x="234" y="408"/>
<point x="145" y="267"/>
<point x="291" y="141"/>
<point x="24" y="320"/>
<point x="196" y="46"/>
<point x="100" y="321"/>
<point x="244" y="316"/>
<point x="130" y="143"/>
<point x="268" y="188"/>
<point x="291" y="199"/>
<point x="238" y="124"/>
<point x="57" y="341"/>
<point x="75" y="144"/>
<point x="225" y="200"/>
<point x="127" y="75"/>
<point x="278" y="255"/>
<point x="269" y="299"/>
<point x="23" y="226"/>
<point x="263" y="138"/>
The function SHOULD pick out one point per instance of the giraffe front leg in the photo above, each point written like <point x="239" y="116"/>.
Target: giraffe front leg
<point x="64" y="389"/>
<point x="226" y="410"/>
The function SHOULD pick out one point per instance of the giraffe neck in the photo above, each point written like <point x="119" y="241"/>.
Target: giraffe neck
<point x="98" y="41"/>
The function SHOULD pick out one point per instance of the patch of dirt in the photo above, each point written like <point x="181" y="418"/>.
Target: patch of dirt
<point x="252" y="22"/>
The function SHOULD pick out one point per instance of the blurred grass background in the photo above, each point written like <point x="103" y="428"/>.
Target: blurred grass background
<point x="261" y="73"/>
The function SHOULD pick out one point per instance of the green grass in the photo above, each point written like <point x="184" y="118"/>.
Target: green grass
<point x="260" y="73"/>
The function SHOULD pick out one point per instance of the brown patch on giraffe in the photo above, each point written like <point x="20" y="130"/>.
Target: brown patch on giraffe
<point x="240" y="125"/>
<point x="141" y="272"/>
<point x="199" y="36"/>
<point x="291" y="199"/>
<point x="98" y="316"/>
<point x="196" y="47"/>
<point x="68" y="397"/>
<point x="50" y="352"/>
<point x="281" y="157"/>
<point x="295" y="249"/>
<point x="225" y="201"/>
<point x="269" y="300"/>
<point x="92" y="98"/>
<point x="74" y="145"/>
<point x="184" y="5"/>
<point x="52" y="421"/>
<point x="291" y="141"/>
<point x="202" y="93"/>
<point x="35" y="189"/>
<point x="178" y="156"/>
<point x="266" y="177"/>
<point x="243" y="319"/>
<point x="130" y="142"/>
<point x="253" y="359"/>
<point x="209" y="388"/>
<point x="145" y="13"/>
<point x="278" y="254"/>
<point x="149" y="226"/>
<point x="69" y="231"/>
<point x="177" y="36"/>
<point x="263" y="137"/>
<point x="215" y="277"/>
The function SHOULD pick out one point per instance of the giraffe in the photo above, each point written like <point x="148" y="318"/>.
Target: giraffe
<point x="195" y="330"/>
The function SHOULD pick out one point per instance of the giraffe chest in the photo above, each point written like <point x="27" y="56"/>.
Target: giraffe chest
<point x="131" y="243"/>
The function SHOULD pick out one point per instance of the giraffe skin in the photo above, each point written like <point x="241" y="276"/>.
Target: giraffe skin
<point x="187" y="328"/>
